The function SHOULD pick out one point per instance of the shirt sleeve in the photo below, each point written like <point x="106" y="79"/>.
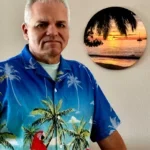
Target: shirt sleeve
<point x="105" y="120"/>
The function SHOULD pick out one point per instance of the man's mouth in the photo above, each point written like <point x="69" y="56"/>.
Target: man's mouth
<point x="51" y="41"/>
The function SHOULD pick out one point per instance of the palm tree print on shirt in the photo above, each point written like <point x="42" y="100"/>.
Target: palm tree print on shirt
<point x="73" y="81"/>
<point x="31" y="64"/>
<point x="114" y="125"/>
<point x="10" y="75"/>
<point x="53" y="115"/>
<point x="100" y="23"/>
<point x="79" y="135"/>
<point x="29" y="133"/>
<point x="4" y="136"/>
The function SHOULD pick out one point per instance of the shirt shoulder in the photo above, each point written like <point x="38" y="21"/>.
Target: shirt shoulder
<point x="11" y="60"/>
<point x="77" y="65"/>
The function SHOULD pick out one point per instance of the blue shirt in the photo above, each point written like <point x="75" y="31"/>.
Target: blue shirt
<point x="40" y="113"/>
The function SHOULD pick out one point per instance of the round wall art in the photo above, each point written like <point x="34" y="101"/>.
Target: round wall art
<point x="115" y="38"/>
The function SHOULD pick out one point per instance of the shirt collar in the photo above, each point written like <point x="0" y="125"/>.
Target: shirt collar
<point x="28" y="60"/>
<point x="31" y="63"/>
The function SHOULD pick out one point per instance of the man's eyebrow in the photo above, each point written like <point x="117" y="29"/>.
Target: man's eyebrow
<point x="62" y="21"/>
<point x="42" y="21"/>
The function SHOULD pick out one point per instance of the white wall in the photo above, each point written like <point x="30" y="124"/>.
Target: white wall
<point x="128" y="90"/>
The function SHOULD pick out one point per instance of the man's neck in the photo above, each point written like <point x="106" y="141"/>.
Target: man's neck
<point x="47" y="59"/>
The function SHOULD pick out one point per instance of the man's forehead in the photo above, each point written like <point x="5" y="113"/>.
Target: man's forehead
<point x="45" y="19"/>
<point x="49" y="17"/>
<point x="48" y="1"/>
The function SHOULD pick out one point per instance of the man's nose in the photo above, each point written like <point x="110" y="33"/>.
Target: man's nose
<point x="52" y="30"/>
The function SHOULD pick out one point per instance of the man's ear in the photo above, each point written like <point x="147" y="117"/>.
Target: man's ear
<point x="24" y="28"/>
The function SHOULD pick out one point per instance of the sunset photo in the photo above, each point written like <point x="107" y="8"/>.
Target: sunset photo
<point x="115" y="38"/>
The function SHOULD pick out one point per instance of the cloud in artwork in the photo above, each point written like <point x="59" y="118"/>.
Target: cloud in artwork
<point x="32" y="115"/>
<point x="90" y="121"/>
<point x="74" y="119"/>
<point x="13" y="142"/>
<point x="2" y="148"/>
<point x="54" y="141"/>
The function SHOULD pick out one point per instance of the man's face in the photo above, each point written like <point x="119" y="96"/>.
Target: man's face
<point x="47" y="31"/>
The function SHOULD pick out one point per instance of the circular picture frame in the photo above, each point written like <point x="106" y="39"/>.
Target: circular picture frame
<point x="115" y="38"/>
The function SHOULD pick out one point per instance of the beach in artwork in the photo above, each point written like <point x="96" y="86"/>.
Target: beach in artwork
<point x="118" y="53"/>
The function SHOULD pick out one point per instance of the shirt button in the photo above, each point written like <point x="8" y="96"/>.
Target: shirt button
<point x="55" y="90"/>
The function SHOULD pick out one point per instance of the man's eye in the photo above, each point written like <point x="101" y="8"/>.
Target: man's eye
<point x="42" y="25"/>
<point x="61" y="25"/>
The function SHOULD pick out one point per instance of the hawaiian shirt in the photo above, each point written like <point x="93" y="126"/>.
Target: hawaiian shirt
<point x="38" y="113"/>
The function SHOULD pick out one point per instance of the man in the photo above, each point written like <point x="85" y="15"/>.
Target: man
<point x="48" y="102"/>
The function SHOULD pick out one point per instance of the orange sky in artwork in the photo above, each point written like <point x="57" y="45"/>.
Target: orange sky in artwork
<point x="114" y="34"/>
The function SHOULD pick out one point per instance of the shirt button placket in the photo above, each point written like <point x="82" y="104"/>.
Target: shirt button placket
<point x="55" y="103"/>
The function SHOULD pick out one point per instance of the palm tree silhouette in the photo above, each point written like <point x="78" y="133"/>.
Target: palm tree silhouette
<point x="29" y="134"/>
<point x="79" y="134"/>
<point x="94" y="42"/>
<point x="10" y="74"/>
<point x="76" y="83"/>
<point x="52" y="114"/>
<point x="102" y="21"/>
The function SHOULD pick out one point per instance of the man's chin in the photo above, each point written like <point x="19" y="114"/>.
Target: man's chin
<point x="52" y="44"/>
<point x="51" y="53"/>
<point x="51" y="48"/>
